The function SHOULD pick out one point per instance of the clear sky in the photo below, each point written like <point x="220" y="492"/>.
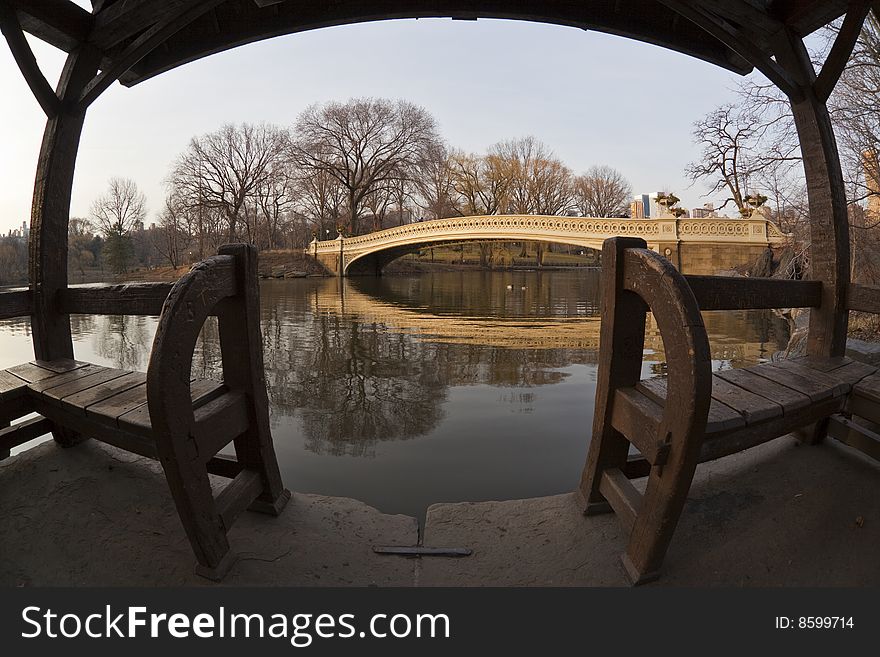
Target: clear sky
<point x="593" y="98"/>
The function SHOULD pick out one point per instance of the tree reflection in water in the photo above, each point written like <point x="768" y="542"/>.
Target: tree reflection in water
<point x="402" y="391"/>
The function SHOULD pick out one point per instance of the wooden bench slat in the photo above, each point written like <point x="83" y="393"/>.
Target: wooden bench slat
<point x="60" y="379"/>
<point x="59" y="392"/>
<point x="788" y="399"/>
<point x="10" y="385"/>
<point x="80" y="401"/>
<point x="822" y="364"/>
<point x="721" y="416"/>
<point x="111" y="408"/>
<point x="30" y="373"/>
<point x="638" y="418"/>
<point x="753" y="408"/>
<point x="869" y="388"/>
<point x="806" y="385"/>
<point x="202" y="391"/>
<point x="853" y="372"/>
<point x="839" y="385"/>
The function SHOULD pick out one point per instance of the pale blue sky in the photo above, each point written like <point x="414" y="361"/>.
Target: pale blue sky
<point x="593" y="98"/>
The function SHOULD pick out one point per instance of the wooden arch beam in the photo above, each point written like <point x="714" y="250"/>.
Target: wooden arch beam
<point x="60" y="23"/>
<point x="27" y="63"/>
<point x="146" y="42"/>
<point x="842" y="48"/>
<point x="121" y="20"/>
<point x="738" y="40"/>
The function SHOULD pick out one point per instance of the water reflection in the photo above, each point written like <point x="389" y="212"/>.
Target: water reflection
<point x="404" y="391"/>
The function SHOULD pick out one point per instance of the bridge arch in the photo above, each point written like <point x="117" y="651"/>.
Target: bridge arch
<point x="368" y="254"/>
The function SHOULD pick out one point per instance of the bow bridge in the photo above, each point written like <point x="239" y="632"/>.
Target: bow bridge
<point x="368" y="254"/>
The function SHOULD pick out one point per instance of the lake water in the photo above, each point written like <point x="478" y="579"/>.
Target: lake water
<point x="403" y="391"/>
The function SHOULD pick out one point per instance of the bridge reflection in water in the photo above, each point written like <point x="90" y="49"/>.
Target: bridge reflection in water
<point x="404" y="391"/>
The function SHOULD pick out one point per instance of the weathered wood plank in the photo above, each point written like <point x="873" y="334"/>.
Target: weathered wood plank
<point x="79" y="401"/>
<point x="734" y="293"/>
<point x="241" y="345"/>
<point x="622" y="336"/>
<point x="128" y="299"/>
<point x="20" y="433"/>
<point x="863" y="298"/>
<point x="66" y="377"/>
<point x="59" y="392"/>
<point x="807" y="385"/>
<point x="855" y="435"/>
<point x="95" y="428"/>
<point x="853" y="372"/>
<point x="622" y="496"/>
<point x="869" y="388"/>
<point x="752" y="407"/>
<point x="718" y="445"/>
<point x="638" y="418"/>
<point x="219" y="421"/>
<point x="238" y="495"/>
<point x="822" y="364"/>
<point x="110" y="409"/>
<point x="839" y="385"/>
<point x="202" y="391"/>
<point x="790" y="400"/>
<point x="721" y="416"/>
<point x="31" y="373"/>
<point x="11" y="385"/>
<point x="15" y="303"/>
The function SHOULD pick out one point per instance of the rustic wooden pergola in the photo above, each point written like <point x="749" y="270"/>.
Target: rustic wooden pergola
<point x="134" y="40"/>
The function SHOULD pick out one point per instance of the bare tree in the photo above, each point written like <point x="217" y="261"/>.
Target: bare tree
<point x="741" y="143"/>
<point x="223" y="171"/>
<point x="172" y="236"/>
<point x="363" y="143"/>
<point x="320" y="198"/>
<point x="435" y="182"/>
<point x="602" y="192"/>
<point x="482" y="183"/>
<point x="116" y="214"/>
<point x="539" y="181"/>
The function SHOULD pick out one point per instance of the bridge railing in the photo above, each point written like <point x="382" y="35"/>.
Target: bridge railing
<point x="519" y="226"/>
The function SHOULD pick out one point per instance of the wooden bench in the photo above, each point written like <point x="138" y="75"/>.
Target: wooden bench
<point x="694" y="415"/>
<point x="163" y="413"/>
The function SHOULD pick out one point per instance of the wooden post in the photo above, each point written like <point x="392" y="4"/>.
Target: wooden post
<point x="241" y="346"/>
<point x="622" y="342"/>
<point x="829" y="220"/>
<point x="50" y="214"/>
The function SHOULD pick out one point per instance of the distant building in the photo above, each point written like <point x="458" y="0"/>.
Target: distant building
<point x="707" y="211"/>
<point x="637" y="209"/>
<point x="649" y="209"/>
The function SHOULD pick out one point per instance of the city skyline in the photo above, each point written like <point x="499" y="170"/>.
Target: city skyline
<point x="585" y="115"/>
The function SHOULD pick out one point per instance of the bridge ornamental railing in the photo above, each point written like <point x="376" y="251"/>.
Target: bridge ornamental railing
<point x="577" y="229"/>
